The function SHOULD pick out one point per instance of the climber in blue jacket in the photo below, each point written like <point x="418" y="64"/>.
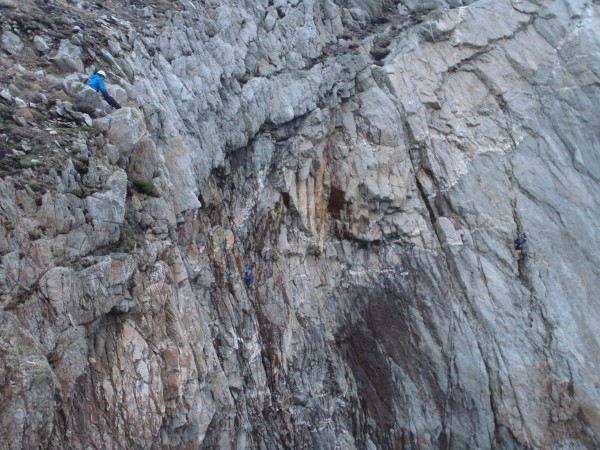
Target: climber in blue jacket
<point x="97" y="84"/>
<point x="521" y="247"/>
<point x="249" y="277"/>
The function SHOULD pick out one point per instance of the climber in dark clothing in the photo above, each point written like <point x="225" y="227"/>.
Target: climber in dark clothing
<point x="97" y="84"/>
<point x="248" y="277"/>
<point x="521" y="247"/>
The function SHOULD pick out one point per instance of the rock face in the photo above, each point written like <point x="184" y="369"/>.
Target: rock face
<point x="371" y="161"/>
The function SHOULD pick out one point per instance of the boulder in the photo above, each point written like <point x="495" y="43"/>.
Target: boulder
<point x="84" y="107"/>
<point x="11" y="43"/>
<point x="123" y="128"/>
<point x="6" y="95"/>
<point x="40" y="44"/>
<point x="68" y="57"/>
<point x="85" y="94"/>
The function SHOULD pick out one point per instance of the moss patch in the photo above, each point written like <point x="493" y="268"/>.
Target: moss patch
<point x="145" y="186"/>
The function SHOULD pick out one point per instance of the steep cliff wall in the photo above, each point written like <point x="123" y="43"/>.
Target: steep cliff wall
<point x="371" y="161"/>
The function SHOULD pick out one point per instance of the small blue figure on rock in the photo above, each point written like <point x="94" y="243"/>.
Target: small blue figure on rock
<point x="249" y="277"/>
<point x="521" y="247"/>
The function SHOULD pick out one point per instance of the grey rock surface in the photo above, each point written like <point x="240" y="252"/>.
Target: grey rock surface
<point x="11" y="43"/>
<point x="372" y="162"/>
<point x="40" y="44"/>
<point x="68" y="57"/>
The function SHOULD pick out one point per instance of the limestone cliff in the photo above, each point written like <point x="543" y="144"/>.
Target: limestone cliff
<point x="372" y="161"/>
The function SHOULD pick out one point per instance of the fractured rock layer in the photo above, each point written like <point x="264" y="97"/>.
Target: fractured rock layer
<point x="371" y="161"/>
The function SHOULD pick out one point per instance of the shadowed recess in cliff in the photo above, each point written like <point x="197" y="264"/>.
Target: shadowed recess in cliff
<point x="384" y="337"/>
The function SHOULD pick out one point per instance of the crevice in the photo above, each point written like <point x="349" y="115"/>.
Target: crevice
<point x="426" y="201"/>
<point x="453" y="277"/>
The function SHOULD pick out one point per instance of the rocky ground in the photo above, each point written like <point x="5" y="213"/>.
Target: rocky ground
<point x="371" y="161"/>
